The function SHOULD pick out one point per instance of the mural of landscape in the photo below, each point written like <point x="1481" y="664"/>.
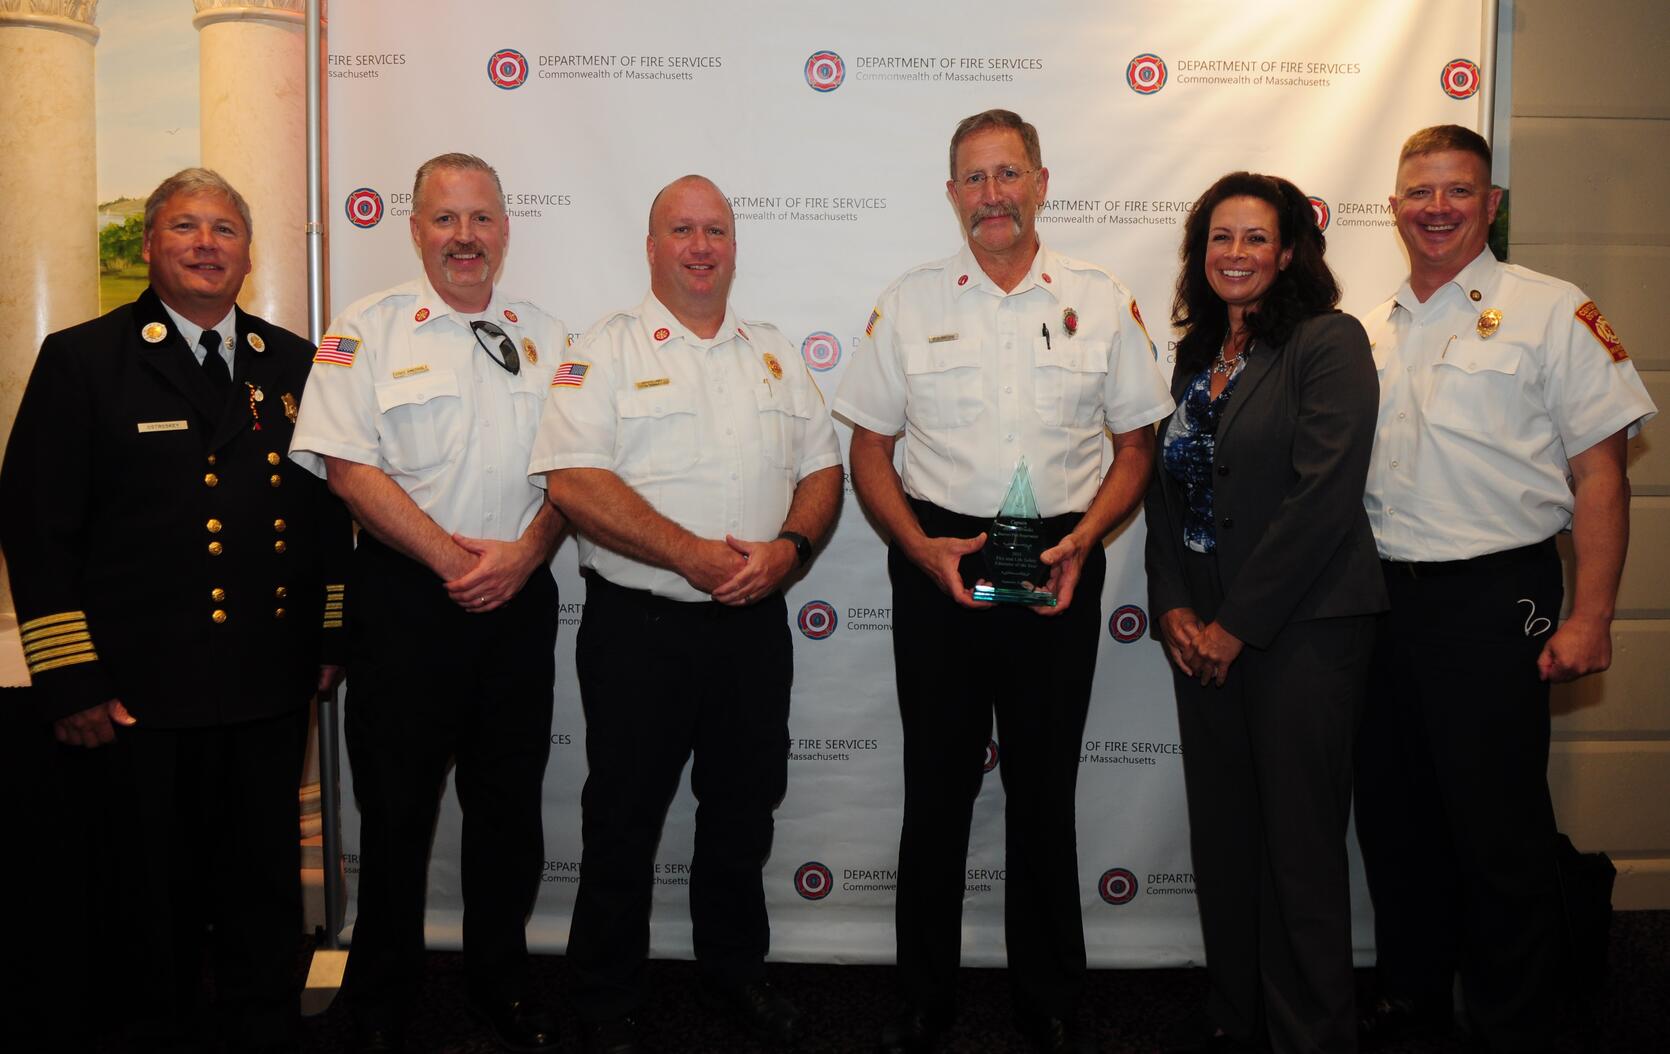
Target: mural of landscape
<point x="146" y="85"/>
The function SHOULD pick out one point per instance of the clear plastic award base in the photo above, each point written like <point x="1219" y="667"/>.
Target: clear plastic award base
<point x="1013" y="544"/>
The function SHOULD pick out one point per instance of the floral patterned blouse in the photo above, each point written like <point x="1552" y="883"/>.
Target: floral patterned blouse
<point x="1189" y="445"/>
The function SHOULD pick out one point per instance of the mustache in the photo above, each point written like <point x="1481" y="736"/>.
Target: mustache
<point x="464" y="248"/>
<point x="986" y="212"/>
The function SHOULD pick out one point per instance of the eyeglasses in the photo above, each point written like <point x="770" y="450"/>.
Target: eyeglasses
<point x="1006" y="176"/>
<point x="506" y="356"/>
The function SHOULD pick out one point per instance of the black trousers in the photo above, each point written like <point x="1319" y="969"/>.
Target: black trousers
<point x="954" y="668"/>
<point x="189" y="841"/>
<point x="1453" y="810"/>
<point x="432" y="686"/>
<point x="1267" y="766"/>
<point x="661" y="680"/>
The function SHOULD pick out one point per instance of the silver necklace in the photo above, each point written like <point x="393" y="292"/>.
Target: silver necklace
<point x="1222" y="365"/>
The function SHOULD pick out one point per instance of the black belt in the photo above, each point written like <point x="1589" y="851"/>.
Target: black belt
<point x="939" y="522"/>
<point x="1543" y="550"/>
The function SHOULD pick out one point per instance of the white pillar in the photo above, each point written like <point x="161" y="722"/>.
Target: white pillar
<point x="253" y="102"/>
<point x="48" y="203"/>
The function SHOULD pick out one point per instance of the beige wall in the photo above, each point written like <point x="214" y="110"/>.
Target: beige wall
<point x="1590" y="144"/>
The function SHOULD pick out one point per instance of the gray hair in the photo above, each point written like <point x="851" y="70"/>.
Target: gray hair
<point x="455" y="162"/>
<point x="196" y="181"/>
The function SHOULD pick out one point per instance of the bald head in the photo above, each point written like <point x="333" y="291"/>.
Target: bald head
<point x="685" y="181"/>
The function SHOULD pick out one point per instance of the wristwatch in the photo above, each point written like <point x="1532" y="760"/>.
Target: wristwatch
<point x="802" y="547"/>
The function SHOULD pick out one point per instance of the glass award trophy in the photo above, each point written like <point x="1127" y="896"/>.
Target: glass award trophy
<point x="1013" y="543"/>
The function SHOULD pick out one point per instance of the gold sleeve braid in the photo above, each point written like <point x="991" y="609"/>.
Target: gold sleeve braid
<point x="334" y="594"/>
<point x="57" y="640"/>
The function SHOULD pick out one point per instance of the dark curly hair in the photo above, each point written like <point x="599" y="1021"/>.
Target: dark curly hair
<point x="1305" y="288"/>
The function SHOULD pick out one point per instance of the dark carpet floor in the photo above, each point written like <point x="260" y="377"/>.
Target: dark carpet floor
<point x="1131" y="1010"/>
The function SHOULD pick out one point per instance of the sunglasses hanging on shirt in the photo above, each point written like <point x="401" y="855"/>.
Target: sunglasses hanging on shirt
<point x="505" y="355"/>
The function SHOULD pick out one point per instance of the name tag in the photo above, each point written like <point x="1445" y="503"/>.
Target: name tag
<point x="655" y="383"/>
<point x="163" y="426"/>
<point x="411" y="371"/>
<point x="942" y="338"/>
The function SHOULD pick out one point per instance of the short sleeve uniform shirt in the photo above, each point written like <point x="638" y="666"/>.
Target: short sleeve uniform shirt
<point x="977" y="378"/>
<point x="714" y="433"/>
<point x="401" y="383"/>
<point x="1487" y="391"/>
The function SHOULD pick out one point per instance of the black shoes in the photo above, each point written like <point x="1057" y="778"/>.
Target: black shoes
<point x="753" y="1005"/>
<point x="913" y="1031"/>
<point x="756" y="1006"/>
<point x="1054" y="1035"/>
<point x="617" y="1035"/>
<point x="371" y="1039"/>
<point x="1390" y="1019"/>
<point x="916" y="1031"/>
<point x="1213" y="1042"/>
<point x="519" y="1025"/>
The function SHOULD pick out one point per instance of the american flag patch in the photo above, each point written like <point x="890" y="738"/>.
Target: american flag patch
<point x="870" y="327"/>
<point x="570" y="375"/>
<point x="338" y="351"/>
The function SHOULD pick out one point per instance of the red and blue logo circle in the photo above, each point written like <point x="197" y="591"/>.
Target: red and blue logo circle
<point x="1146" y="74"/>
<point x="821" y="351"/>
<point x="992" y="755"/>
<point x="1117" y="886"/>
<point x="1461" y="78"/>
<point x="818" y="619"/>
<point x="813" y="881"/>
<point x="1128" y="624"/>
<point x="825" y="71"/>
<point x="364" y="207"/>
<point x="507" y="69"/>
<point x="1323" y="212"/>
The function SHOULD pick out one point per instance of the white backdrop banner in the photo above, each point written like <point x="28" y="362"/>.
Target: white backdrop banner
<point x="827" y="126"/>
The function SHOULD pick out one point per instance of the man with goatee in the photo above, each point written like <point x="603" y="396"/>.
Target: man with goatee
<point x="421" y="412"/>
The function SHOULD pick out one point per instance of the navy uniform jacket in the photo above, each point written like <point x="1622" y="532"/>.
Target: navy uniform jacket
<point x="162" y="549"/>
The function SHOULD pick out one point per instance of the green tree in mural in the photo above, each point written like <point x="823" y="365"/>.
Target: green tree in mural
<point x="119" y="244"/>
<point x="1499" y="230"/>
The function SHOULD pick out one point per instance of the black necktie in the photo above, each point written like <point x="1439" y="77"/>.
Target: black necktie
<point x="214" y="366"/>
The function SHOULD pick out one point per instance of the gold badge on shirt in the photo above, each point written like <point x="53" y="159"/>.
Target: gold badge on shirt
<point x="773" y="365"/>
<point x="256" y="343"/>
<point x="154" y="332"/>
<point x="1489" y="322"/>
<point x="290" y="407"/>
<point x="531" y="350"/>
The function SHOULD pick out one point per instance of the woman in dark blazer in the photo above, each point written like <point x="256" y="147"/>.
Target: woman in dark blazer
<point x="1264" y="583"/>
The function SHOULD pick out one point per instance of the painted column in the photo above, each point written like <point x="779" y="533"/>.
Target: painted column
<point x="253" y="102"/>
<point x="48" y="203"/>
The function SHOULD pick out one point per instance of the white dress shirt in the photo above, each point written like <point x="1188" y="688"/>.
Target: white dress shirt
<point x="227" y="328"/>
